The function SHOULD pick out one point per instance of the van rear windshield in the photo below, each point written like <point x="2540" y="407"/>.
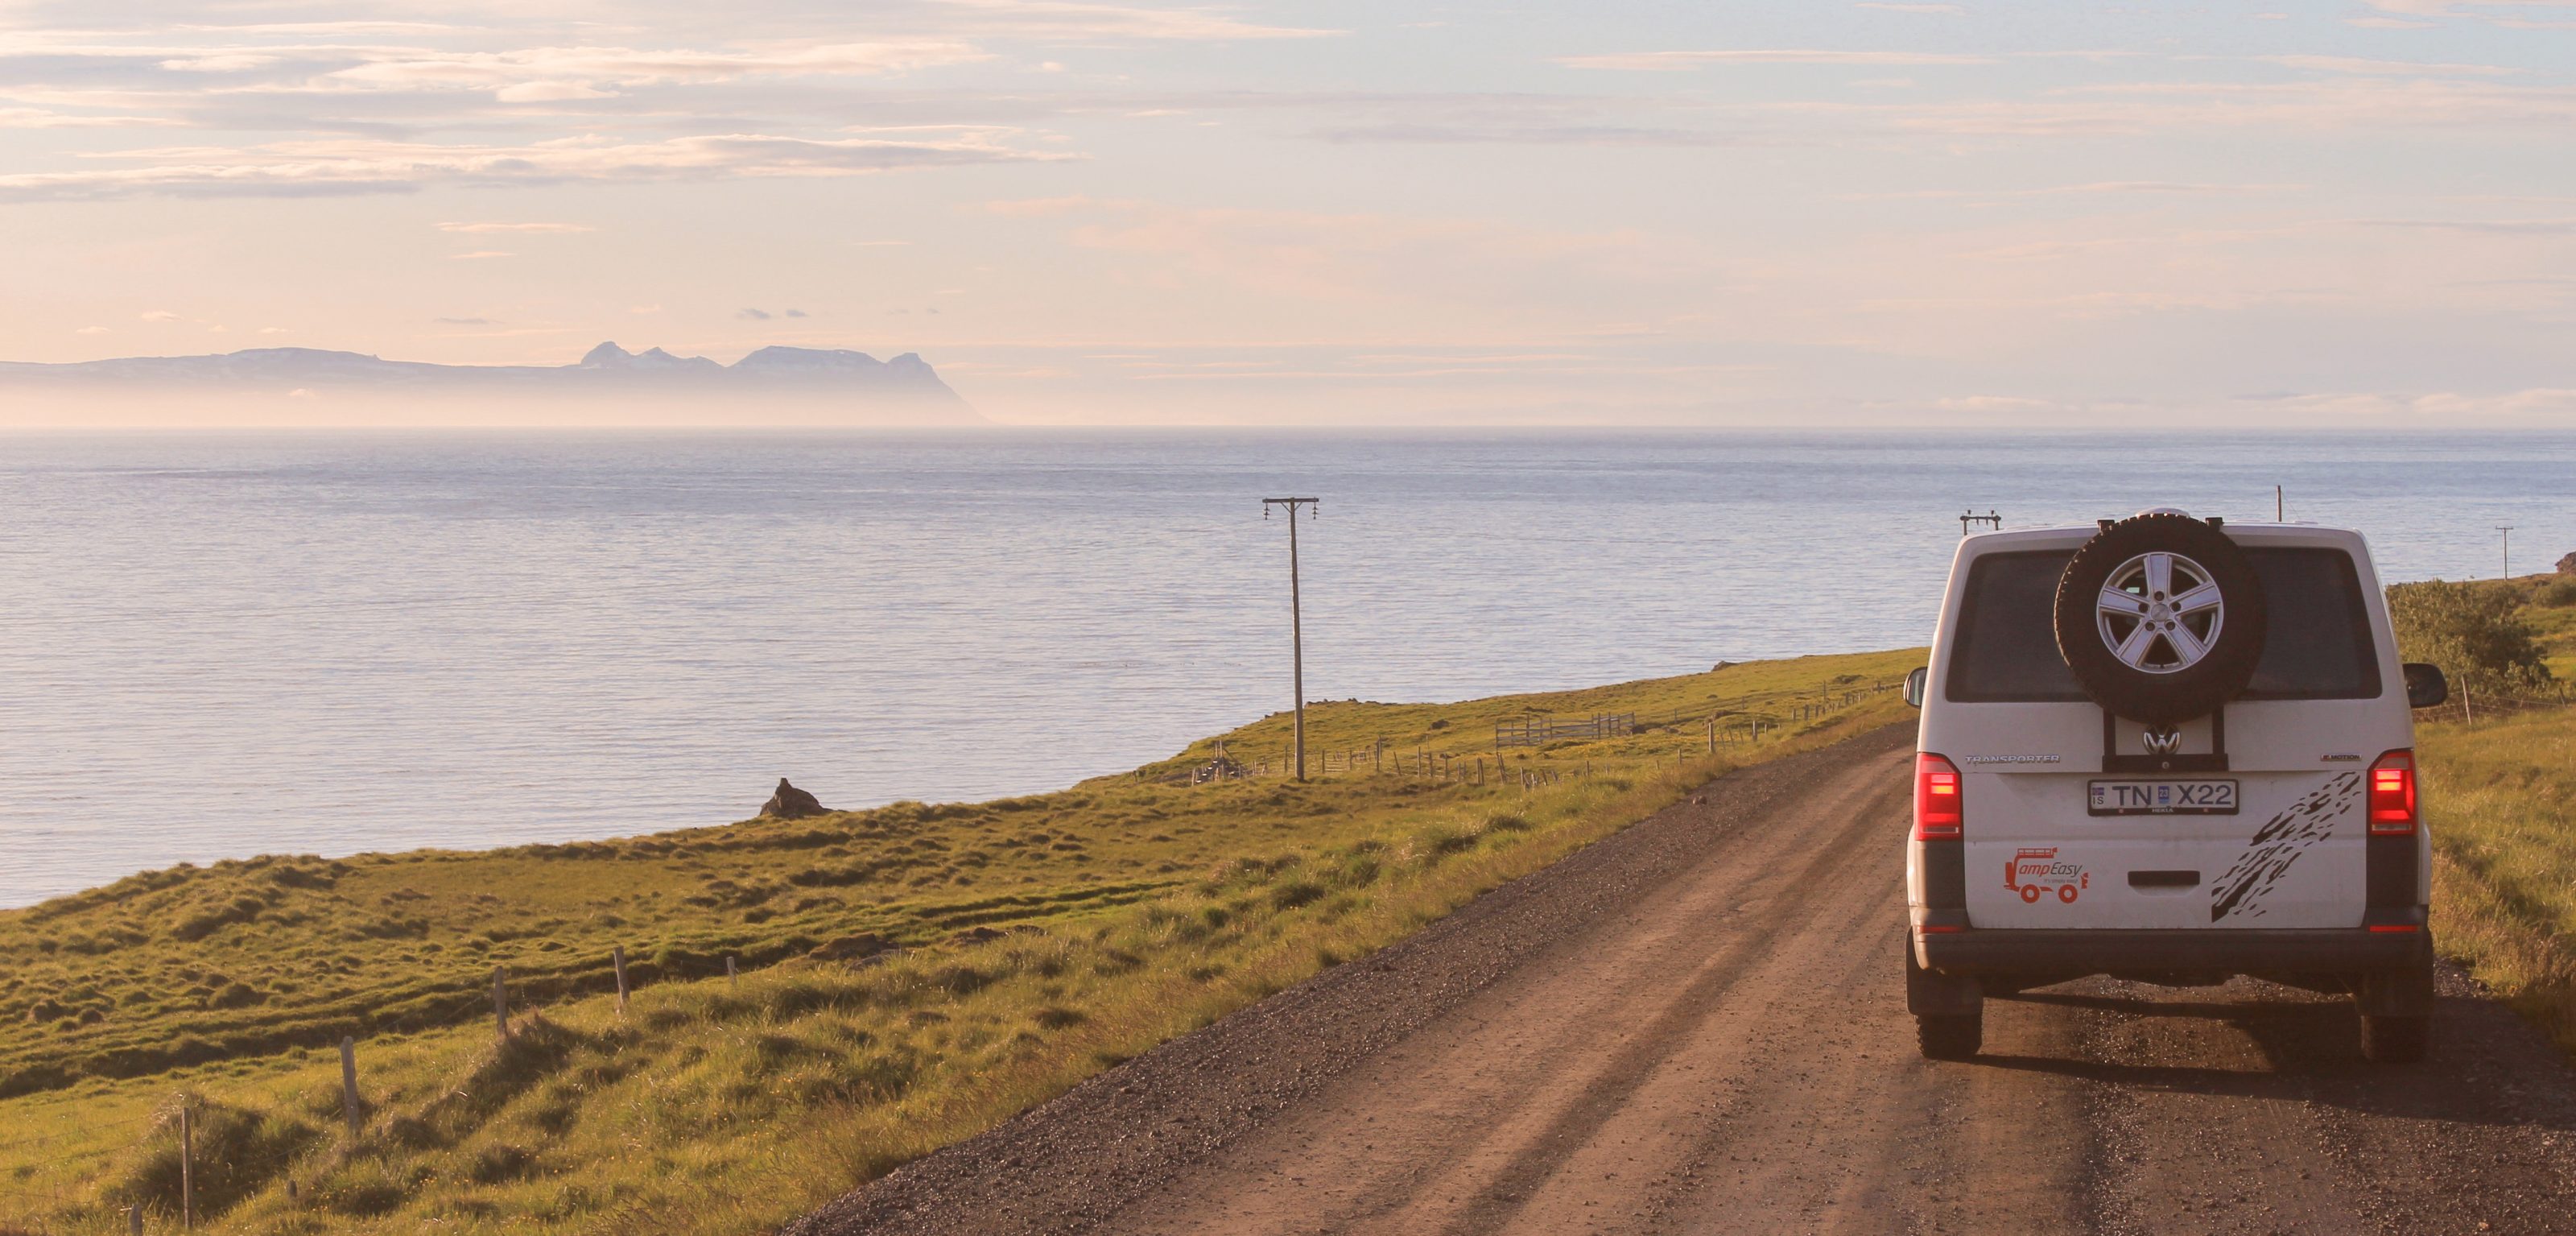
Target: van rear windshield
<point x="2318" y="645"/>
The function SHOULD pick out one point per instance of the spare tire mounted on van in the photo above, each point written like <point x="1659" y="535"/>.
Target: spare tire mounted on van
<point x="2160" y="617"/>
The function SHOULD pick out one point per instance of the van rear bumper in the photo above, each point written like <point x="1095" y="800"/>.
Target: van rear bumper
<point x="2347" y="950"/>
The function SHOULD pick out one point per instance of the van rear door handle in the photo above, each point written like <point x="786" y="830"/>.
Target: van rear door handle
<point x="2163" y="879"/>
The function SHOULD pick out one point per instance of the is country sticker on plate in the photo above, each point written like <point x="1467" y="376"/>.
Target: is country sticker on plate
<point x="2162" y="796"/>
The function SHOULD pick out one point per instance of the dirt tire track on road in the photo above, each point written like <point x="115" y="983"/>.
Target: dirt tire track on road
<point x="1699" y="1025"/>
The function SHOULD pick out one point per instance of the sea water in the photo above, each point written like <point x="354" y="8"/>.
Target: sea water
<point x="219" y="646"/>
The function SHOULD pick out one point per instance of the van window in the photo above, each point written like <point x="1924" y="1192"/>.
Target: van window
<point x="2318" y="646"/>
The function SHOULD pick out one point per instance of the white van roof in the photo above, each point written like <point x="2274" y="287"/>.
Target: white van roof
<point x="2071" y="535"/>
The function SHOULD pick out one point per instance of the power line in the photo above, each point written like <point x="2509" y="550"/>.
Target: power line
<point x="1296" y="618"/>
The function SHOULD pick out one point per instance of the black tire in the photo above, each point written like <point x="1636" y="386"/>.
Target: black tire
<point x="1950" y="1038"/>
<point x="2169" y="686"/>
<point x="2395" y="1040"/>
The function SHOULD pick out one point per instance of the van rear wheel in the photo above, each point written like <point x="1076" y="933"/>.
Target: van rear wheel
<point x="2395" y="1040"/>
<point x="1949" y="1010"/>
<point x="1949" y="1037"/>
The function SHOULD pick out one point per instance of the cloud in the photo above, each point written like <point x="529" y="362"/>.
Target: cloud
<point x="39" y="118"/>
<point x="2338" y="101"/>
<point x="362" y="166"/>
<point x="1048" y="20"/>
<point x="479" y="254"/>
<point x="2387" y="68"/>
<point x="2485" y="227"/>
<point x="542" y="74"/>
<point x="550" y="92"/>
<point x="1682" y="61"/>
<point x="2387" y="23"/>
<point x="514" y="227"/>
<point x="312" y="29"/>
<point x="159" y="315"/>
<point x="465" y="321"/>
<point x="2437" y="407"/>
<point x="222" y="62"/>
<point x="753" y="315"/>
<point x="1437" y="133"/>
<point x="91" y="330"/>
<point x="2091" y="189"/>
<point x="2477" y="9"/>
<point x="796" y="313"/>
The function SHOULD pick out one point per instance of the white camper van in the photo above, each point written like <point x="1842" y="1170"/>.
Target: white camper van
<point x="2174" y="750"/>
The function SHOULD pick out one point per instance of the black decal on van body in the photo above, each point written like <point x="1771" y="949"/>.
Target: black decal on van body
<point x="2278" y="844"/>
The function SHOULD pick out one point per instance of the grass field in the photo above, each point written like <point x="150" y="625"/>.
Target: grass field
<point x="910" y="974"/>
<point x="2552" y="615"/>
<point x="2500" y="799"/>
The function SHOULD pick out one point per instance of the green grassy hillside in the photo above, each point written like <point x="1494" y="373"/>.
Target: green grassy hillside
<point x="910" y="974"/>
<point x="2500" y="799"/>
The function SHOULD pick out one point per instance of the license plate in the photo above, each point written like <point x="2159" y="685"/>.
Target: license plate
<point x="2162" y="797"/>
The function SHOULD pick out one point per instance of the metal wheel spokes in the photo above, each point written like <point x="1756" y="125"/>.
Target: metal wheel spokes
<point x="2160" y="613"/>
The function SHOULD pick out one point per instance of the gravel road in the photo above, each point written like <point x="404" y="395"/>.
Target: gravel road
<point x="1699" y="1026"/>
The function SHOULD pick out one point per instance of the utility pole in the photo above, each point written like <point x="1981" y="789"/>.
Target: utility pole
<point x="2277" y="516"/>
<point x="1989" y="519"/>
<point x="2507" y="530"/>
<point x="1296" y="618"/>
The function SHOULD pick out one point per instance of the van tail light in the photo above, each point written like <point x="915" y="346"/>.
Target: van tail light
<point x="1936" y="798"/>
<point x="2392" y="794"/>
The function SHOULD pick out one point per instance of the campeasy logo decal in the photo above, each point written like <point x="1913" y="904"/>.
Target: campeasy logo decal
<point x="2035" y="873"/>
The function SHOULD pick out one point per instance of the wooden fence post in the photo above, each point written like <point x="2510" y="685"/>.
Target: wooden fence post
<point x="1712" y="735"/>
<point x="500" y="1003"/>
<point x="187" y="1169"/>
<point x="349" y="1082"/>
<point x="134" y="1220"/>
<point x="732" y="979"/>
<point x="617" y="959"/>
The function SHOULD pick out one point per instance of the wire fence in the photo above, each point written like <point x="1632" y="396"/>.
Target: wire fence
<point x="1749" y="720"/>
<point x="2468" y="705"/>
<point x="74" y="1203"/>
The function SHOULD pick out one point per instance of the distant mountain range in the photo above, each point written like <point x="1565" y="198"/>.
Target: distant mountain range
<point x="906" y="386"/>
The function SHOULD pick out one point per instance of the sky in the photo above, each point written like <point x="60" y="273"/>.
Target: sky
<point x="1679" y="213"/>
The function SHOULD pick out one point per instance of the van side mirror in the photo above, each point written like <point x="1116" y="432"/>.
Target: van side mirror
<point x="1916" y="677"/>
<point x="2425" y="685"/>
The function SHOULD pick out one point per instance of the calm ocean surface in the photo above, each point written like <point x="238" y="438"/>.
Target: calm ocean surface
<point x="220" y="646"/>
